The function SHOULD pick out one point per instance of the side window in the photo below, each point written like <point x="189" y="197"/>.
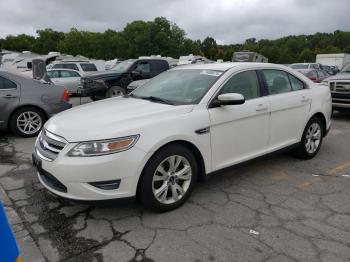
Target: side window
<point x="65" y="74"/>
<point x="312" y="75"/>
<point x="159" y="66"/>
<point x="143" y="67"/>
<point x="6" y="84"/>
<point x="296" y="83"/>
<point x="53" y="74"/>
<point x="245" y="83"/>
<point x="321" y="74"/>
<point x="66" y="66"/>
<point x="88" y="67"/>
<point x="277" y="81"/>
<point x="74" y="74"/>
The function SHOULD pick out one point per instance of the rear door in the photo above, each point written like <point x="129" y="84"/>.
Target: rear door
<point x="289" y="107"/>
<point x="9" y="98"/>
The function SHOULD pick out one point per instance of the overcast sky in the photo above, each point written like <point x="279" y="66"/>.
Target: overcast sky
<point x="228" y="21"/>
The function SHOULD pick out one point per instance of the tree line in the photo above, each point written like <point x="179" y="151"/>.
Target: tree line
<point x="160" y="36"/>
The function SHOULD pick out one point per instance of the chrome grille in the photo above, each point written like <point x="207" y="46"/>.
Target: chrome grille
<point x="49" y="145"/>
<point x="341" y="86"/>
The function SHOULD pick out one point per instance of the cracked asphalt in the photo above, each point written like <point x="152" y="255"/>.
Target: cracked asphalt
<point x="273" y="209"/>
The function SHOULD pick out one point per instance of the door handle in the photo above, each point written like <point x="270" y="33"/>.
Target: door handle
<point x="305" y="99"/>
<point x="10" y="96"/>
<point x="261" y="107"/>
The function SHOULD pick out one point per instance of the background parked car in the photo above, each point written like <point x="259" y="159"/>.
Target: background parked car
<point x="340" y="89"/>
<point x="115" y="81"/>
<point x="305" y="66"/>
<point x="25" y="104"/>
<point x="67" y="78"/>
<point x="81" y="66"/>
<point x="315" y="75"/>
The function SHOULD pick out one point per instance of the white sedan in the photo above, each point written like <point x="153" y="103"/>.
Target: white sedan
<point x="179" y="127"/>
<point x="68" y="78"/>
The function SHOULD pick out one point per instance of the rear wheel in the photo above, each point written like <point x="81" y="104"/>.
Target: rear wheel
<point x="115" y="91"/>
<point x="27" y="121"/>
<point x="311" y="141"/>
<point x="168" y="178"/>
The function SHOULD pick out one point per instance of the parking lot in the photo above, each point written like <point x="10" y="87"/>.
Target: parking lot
<point x="276" y="208"/>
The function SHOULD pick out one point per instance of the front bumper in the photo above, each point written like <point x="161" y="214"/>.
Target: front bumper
<point x="92" y="88"/>
<point x="71" y="177"/>
<point x="53" y="109"/>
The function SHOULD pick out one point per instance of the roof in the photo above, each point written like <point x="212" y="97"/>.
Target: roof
<point x="228" y="65"/>
<point x="332" y="55"/>
<point x="306" y="70"/>
<point x="302" y="63"/>
<point x="62" y="69"/>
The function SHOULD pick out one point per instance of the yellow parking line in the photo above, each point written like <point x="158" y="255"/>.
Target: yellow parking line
<point x="309" y="182"/>
<point x="339" y="168"/>
<point x="280" y="175"/>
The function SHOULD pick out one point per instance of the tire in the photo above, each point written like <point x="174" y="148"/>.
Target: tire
<point x="149" y="186"/>
<point x="115" y="91"/>
<point x="311" y="140"/>
<point x="27" y="121"/>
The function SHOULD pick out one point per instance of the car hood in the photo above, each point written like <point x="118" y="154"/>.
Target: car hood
<point x="111" y="118"/>
<point x="341" y="76"/>
<point x="102" y="74"/>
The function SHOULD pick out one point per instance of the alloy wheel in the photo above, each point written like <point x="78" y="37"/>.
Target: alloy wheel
<point x="313" y="138"/>
<point x="171" y="179"/>
<point x="29" y="122"/>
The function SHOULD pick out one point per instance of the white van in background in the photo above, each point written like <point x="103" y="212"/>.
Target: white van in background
<point x="339" y="60"/>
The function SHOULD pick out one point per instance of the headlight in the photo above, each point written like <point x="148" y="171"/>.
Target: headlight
<point x="103" y="147"/>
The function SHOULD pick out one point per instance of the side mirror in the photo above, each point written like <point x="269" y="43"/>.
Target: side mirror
<point x="228" y="99"/>
<point x="136" y="73"/>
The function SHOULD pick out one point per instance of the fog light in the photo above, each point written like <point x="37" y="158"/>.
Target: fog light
<point x="106" y="185"/>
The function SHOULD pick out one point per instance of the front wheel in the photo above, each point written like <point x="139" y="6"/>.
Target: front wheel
<point x="168" y="178"/>
<point x="115" y="91"/>
<point x="311" y="141"/>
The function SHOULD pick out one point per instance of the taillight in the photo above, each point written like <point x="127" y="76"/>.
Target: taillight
<point x="65" y="96"/>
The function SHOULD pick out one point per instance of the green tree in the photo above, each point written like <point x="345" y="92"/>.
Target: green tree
<point x="306" y="56"/>
<point x="209" y="48"/>
<point x="47" y="40"/>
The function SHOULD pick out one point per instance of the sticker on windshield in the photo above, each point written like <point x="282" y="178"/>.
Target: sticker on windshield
<point x="210" y="72"/>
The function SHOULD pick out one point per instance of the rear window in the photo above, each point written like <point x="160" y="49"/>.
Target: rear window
<point x="88" y="67"/>
<point x="6" y="84"/>
<point x="66" y="66"/>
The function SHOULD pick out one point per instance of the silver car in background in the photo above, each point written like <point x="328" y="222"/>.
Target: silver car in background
<point x="67" y="78"/>
<point x="25" y="104"/>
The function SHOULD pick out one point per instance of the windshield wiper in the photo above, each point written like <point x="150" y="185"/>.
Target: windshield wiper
<point x="156" y="99"/>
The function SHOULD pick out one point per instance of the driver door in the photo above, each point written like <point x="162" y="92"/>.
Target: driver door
<point x="144" y="71"/>
<point x="240" y="132"/>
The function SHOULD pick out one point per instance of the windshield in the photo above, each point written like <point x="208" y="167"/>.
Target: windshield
<point x="299" y="66"/>
<point x="123" y="66"/>
<point x="186" y="86"/>
<point x="346" y="69"/>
